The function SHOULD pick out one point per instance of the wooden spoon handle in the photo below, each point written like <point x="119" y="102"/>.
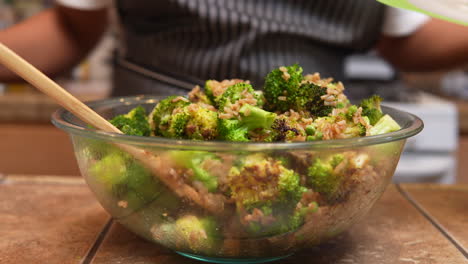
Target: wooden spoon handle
<point x="28" y="72"/>
<point x="36" y="78"/>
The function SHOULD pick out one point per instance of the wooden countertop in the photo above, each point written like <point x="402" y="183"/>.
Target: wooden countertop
<point x="57" y="220"/>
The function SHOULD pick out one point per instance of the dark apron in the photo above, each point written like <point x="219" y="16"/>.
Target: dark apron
<point x="168" y="46"/>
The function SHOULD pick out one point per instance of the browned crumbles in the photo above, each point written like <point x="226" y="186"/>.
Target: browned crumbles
<point x="123" y="204"/>
<point x="335" y="91"/>
<point x="196" y="94"/>
<point x="358" y="119"/>
<point x="177" y="110"/>
<point x="331" y="130"/>
<point x="207" y="106"/>
<point x="176" y="181"/>
<point x="257" y="181"/>
<point x="259" y="217"/>
<point x="192" y="108"/>
<point x="180" y="98"/>
<point x="317" y="80"/>
<point x="286" y="76"/>
<point x="218" y="169"/>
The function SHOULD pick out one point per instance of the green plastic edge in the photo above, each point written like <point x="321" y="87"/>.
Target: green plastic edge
<point x="406" y="5"/>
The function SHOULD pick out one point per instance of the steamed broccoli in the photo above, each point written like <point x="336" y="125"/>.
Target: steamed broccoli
<point x="197" y="162"/>
<point x="111" y="169"/>
<point x="274" y="181"/>
<point x="200" y="235"/>
<point x="169" y="119"/>
<point x="127" y="180"/>
<point x="210" y="89"/>
<point x="386" y="124"/>
<point x="236" y="92"/>
<point x="287" y="128"/>
<point x="335" y="127"/>
<point x="232" y="130"/>
<point x="371" y="108"/>
<point x="134" y="122"/>
<point x="280" y="84"/>
<point x="309" y="98"/>
<point x="176" y="117"/>
<point x="354" y="130"/>
<point x="199" y="96"/>
<point x="254" y="117"/>
<point x="214" y="89"/>
<point x="322" y="178"/>
<point x="251" y="119"/>
<point x="202" y="123"/>
<point x="285" y="89"/>
<point x="277" y="190"/>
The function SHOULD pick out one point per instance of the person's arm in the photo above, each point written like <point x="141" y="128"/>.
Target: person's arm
<point x="55" y="39"/>
<point x="437" y="45"/>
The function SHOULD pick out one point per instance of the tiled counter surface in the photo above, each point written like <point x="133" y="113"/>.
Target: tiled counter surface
<point x="57" y="220"/>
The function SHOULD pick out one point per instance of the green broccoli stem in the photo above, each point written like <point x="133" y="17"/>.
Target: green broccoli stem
<point x="254" y="117"/>
<point x="385" y="124"/>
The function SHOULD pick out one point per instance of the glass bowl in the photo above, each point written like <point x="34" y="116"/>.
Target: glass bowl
<point x="257" y="218"/>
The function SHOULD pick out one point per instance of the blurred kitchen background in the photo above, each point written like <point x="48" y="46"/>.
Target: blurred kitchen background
<point x="29" y="144"/>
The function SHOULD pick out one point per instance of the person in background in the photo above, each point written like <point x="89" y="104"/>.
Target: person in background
<point x="167" y="46"/>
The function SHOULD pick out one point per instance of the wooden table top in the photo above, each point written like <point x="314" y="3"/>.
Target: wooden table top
<point x="57" y="220"/>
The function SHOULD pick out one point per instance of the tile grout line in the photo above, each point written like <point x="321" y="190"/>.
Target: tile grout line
<point x="433" y="221"/>
<point x="89" y="256"/>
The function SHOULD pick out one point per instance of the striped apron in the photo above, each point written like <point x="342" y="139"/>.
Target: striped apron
<point x="167" y="46"/>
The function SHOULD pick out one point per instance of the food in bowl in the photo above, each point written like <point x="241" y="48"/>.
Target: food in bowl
<point x="291" y="107"/>
<point x="273" y="171"/>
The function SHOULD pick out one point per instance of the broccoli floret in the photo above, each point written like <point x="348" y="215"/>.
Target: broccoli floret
<point x="266" y="208"/>
<point x="285" y="89"/>
<point x="354" y="130"/>
<point x="251" y="118"/>
<point x="232" y="130"/>
<point x="202" y="123"/>
<point x="214" y="89"/>
<point x="350" y="112"/>
<point x="309" y="98"/>
<point x="127" y="180"/>
<point x="258" y="95"/>
<point x="322" y="178"/>
<point x="196" y="161"/>
<point x="254" y="117"/>
<point x="209" y="89"/>
<point x="336" y="159"/>
<point x="134" y="122"/>
<point x="274" y="182"/>
<point x="175" y="117"/>
<point x="234" y="93"/>
<point x="371" y="108"/>
<point x="111" y="170"/>
<point x="346" y="128"/>
<point x="297" y="219"/>
<point x="288" y="128"/>
<point x="198" y="234"/>
<point x="386" y="124"/>
<point x="281" y="84"/>
<point x="169" y="118"/>
<point x="199" y="96"/>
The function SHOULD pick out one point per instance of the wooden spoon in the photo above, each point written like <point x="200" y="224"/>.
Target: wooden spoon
<point x="156" y="165"/>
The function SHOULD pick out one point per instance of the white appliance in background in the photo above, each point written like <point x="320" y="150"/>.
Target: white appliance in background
<point x="431" y="155"/>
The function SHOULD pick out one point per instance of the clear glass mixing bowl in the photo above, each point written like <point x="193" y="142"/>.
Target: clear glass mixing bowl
<point x="137" y="199"/>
